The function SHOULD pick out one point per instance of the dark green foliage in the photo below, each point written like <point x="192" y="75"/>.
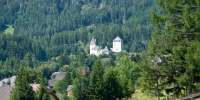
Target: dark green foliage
<point x="30" y="18"/>
<point x="96" y="82"/>
<point x="9" y="67"/>
<point x="81" y="88"/>
<point x="128" y="74"/>
<point x="42" y="93"/>
<point x="108" y="83"/>
<point x="64" y="60"/>
<point x="58" y="26"/>
<point x="62" y="85"/>
<point x="47" y="29"/>
<point x="112" y="88"/>
<point x="23" y="90"/>
<point x="170" y="63"/>
<point x="92" y="87"/>
<point x="18" y="46"/>
<point x="65" y="97"/>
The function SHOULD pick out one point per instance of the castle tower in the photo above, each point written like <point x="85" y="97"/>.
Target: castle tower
<point x="117" y="45"/>
<point x="93" y="47"/>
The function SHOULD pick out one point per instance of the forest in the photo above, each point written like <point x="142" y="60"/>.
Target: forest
<point x="43" y="29"/>
<point x="159" y="61"/>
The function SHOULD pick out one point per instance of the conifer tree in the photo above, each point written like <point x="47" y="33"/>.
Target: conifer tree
<point x="113" y="90"/>
<point x="42" y="94"/>
<point x="96" y="82"/>
<point x="176" y="30"/>
<point x="81" y="88"/>
<point x="23" y="90"/>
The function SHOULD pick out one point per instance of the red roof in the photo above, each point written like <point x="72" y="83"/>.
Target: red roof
<point x="5" y="92"/>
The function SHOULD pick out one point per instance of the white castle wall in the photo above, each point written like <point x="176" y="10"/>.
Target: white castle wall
<point x="96" y="50"/>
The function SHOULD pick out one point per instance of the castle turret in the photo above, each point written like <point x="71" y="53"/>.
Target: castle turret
<point x="93" y="46"/>
<point x="97" y="50"/>
<point x="117" y="45"/>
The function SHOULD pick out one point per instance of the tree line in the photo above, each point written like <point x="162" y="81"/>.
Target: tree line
<point x="48" y="29"/>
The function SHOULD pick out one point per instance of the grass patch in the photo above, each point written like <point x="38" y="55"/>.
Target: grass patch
<point x="9" y="30"/>
<point x="139" y="95"/>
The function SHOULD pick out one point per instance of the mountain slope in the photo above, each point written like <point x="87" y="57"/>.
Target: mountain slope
<point x="58" y="26"/>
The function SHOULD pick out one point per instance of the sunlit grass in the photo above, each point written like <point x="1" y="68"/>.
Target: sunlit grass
<point x="139" y="95"/>
<point x="10" y="30"/>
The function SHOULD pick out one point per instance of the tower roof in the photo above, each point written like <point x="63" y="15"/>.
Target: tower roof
<point x="117" y="39"/>
<point x="93" y="41"/>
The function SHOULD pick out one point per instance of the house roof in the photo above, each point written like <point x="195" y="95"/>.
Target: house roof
<point x="117" y="39"/>
<point x="69" y="88"/>
<point x="58" y="75"/>
<point x="35" y="87"/>
<point x="5" y="92"/>
<point x="5" y="80"/>
<point x="51" y="82"/>
<point x="55" y="77"/>
<point x="12" y="80"/>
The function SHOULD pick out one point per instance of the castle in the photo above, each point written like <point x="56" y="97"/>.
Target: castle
<point x="97" y="50"/>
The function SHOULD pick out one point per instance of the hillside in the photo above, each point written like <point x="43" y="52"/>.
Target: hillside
<point x="44" y="29"/>
<point x="80" y="20"/>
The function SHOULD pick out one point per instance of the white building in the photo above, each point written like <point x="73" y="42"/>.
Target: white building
<point x="93" y="47"/>
<point x="105" y="51"/>
<point x="117" y="45"/>
<point x="96" y="50"/>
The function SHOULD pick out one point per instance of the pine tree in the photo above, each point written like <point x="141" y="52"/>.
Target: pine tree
<point x="128" y="75"/>
<point x="23" y="90"/>
<point x="42" y="93"/>
<point x="81" y="88"/>
<point x="176" y="29"/>
<point x="96" y="82"/>
<point x="113" y="90"/>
